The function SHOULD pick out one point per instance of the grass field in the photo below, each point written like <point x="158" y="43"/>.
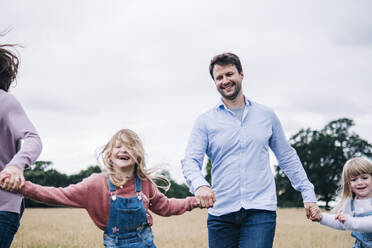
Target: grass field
<point x="68" y="228"/>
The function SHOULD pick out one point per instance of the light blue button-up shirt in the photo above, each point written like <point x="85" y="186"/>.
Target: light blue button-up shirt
<point x="239" y="151"/>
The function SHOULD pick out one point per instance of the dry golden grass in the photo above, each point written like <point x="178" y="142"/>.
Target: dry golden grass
<point x="67" y="228"/>
<point x="57" y="227"/>
<point x="294" y="230"/>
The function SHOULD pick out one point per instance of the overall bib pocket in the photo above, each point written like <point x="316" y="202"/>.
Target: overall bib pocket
<point x="129" y="219"/>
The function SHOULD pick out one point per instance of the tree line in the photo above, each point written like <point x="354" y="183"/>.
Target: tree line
<point x="322" y="152"/>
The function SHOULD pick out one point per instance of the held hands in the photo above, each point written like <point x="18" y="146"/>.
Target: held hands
<point x="11" y="178"/>
<point x="205" y="197"/>
<point x="312" y="211"/>
<point x="315" y="214"/>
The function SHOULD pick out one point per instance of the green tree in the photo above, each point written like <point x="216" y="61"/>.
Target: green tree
<point x="75" y="178"/>
<point x="323" y="154"/>
<point x="175" y="190"/>
<point x="41" y="173"/>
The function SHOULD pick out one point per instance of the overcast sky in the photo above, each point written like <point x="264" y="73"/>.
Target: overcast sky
<point x="90" y="68"/>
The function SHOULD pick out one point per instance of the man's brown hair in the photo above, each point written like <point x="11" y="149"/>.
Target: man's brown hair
<point x="225" y="59"/>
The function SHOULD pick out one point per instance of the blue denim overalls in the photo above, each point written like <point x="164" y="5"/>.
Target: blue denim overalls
<point x="127" y="225"/>
<point x="362" y="239"/>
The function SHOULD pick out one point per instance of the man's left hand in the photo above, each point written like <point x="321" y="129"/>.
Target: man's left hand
<point x="308" y="206"/>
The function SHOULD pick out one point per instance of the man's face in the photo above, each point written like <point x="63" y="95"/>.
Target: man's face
<point x="228" y="80"/>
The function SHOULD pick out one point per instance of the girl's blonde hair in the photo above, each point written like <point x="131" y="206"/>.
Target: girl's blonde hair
<point x="352" y="168"/>
<point x="134" y="143"/>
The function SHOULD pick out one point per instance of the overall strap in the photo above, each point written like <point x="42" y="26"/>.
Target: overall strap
<point x="352" y="207"/>
<point x="137" y="182"/>
<point x="369" y="213"/>
<point x="110" y="185"/>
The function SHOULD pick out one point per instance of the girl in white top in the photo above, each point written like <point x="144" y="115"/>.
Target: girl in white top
<point x="354" y="211"/>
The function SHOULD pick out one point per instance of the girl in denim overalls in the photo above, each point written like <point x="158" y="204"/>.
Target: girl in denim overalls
<point x="117" y="201"/>
<point x="354" y="211"/>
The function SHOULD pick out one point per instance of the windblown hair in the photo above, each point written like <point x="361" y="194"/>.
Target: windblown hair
<point x="352" y="168"/>
<point x="134" y="144"/>
<point x="225" y="59"/>
<point x="8" y="66"/>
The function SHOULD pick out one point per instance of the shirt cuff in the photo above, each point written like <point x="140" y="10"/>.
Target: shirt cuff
<point x="197" y="184"/>
<point x="308" y="196"/>
<point x="21" y="167"/>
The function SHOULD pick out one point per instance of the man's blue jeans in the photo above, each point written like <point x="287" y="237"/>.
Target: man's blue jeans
<point x="251" y="228"/>
<point x="9" y="223"/>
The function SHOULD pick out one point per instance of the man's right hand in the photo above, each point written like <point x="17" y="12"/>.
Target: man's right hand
<point x="205" y="196"/>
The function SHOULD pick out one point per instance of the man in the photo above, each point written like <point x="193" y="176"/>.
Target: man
<point x="236" y="136"/>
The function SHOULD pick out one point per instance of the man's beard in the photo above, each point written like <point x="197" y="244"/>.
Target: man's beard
<point x="233" y="95"/>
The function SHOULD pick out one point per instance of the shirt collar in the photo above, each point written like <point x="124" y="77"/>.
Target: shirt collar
<point x="221" y="104"/>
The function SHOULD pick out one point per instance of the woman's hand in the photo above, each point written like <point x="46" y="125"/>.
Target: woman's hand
<point x="11" y="178"/>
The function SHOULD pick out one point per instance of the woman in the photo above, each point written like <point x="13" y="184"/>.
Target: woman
<point x="14" y="158"/>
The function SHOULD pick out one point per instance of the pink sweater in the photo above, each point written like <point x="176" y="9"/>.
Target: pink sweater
<point x="93" y="195"/>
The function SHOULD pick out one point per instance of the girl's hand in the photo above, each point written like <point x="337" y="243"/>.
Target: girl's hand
<point x="341" y="218"/>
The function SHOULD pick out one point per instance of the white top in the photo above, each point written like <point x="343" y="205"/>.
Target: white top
<point x="358" y="224"/>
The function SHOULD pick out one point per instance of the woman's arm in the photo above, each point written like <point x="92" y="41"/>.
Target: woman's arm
<point x="17" y="128"/>
<point x="22" y="129"/>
